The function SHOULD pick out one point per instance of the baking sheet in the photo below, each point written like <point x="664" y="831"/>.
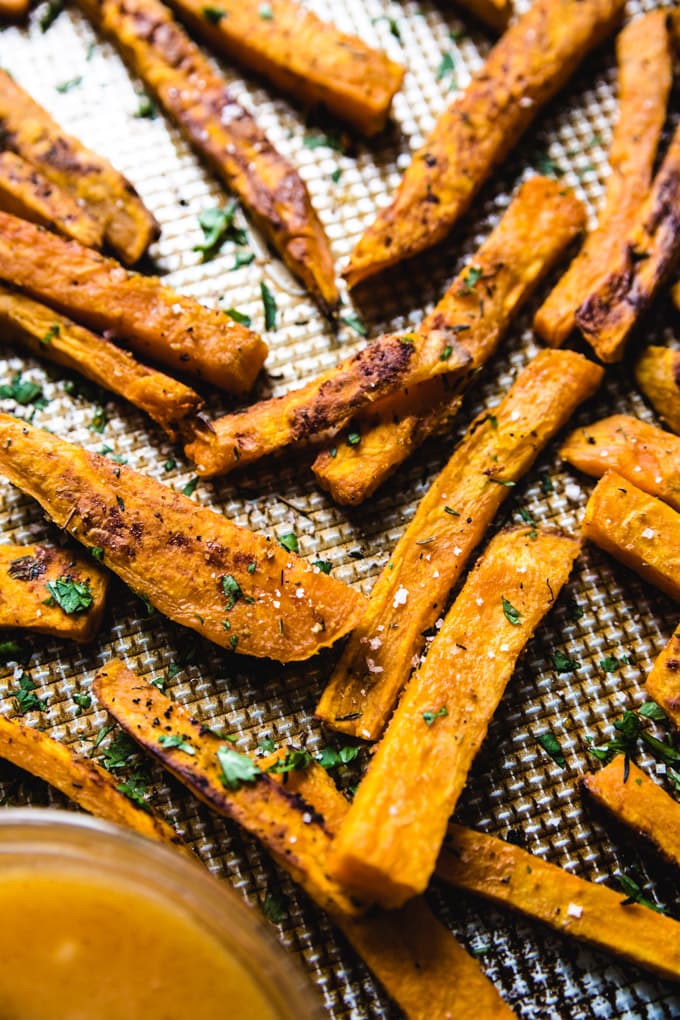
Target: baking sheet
<point x="514" y="788"/>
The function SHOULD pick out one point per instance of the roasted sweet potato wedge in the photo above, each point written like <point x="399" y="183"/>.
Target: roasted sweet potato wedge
<point x="418" y="961"/>
<point x="663" y="680"/>
<point x="387" y="847"/>
<point x="27" y="193"/>
<point x="657" y="374"/>
<point x="494" y="13"/>
<point x="589" y="911"/>
<point x="14" y="10"/>
<point x="498" y="448"/>
<point x="50" y="335"/>
<point x="183" y="81"/>
<point x="528" y="65"/>
<point x="52" y="591"/>
<point x="324" y="405"/>
<point x="649" y="256"/>
<point x="27" y="129"/>
<point x="234" y="587"/>
<point x="308" y="58"/>
<point x="85" y="782"/>
<point x="639" y="530"/>
<point x="645" y="75"/>
<point x="636" y="801"/>
<point x="139" y="310"/>
<point x="642" y="453"/>
<point x="542" y="219"/>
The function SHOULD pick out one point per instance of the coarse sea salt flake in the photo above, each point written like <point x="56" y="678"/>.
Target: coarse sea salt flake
<point x="574" y="910"/>
<point x="400" y="597"/>
<point x="648" y="533"/>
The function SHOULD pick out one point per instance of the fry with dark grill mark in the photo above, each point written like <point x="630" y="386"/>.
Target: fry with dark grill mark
<point x="663" y="680"/>
<point x="152" y="319"/>
<point x="27" y="129"/>
<point x="657" y="374"/>
<point x="645" y="77"/>
<point x="528" y="65"/>
<point x="175" y="71"/>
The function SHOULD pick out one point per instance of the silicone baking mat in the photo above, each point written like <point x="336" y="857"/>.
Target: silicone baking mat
<point x="515" y="789"/>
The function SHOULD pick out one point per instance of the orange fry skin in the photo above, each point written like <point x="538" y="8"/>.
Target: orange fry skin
<point x="657" y="374"/>
<point x="663" y="680"/>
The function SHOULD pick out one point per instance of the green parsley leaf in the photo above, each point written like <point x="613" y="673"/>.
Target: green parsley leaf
<point x="512" y="615"/>
<point x="446" y="67"/>
<point x="134" y="788"/>
<point x="119" y="753"/>
<point x="146" y="108"/>
<point x="355" y="323"/>
<point x="546" y="484"/>
<point x="50" y="335"/>
<point x="545" y="165"/>
<point x="650" y="710"/>
<point x="97" y="553"/>
<point x="12" y="650"/>
<point x="526" y="516"/>
<point x="99" y="420"/>
<point x="190" y="487"/>
<point x="213" y="14"/>
<point x="72" y="83"/>
<point x="609" y="664"/>
<point x="170" y="464"/>
<point x="446" y="353"/>
<point x="70" y="595"/>
<point x="634" y="894"/>
<point x="232" y="589"/>
<point x="325" y="566"/>
<point x="563" y="664"/>
<point x="83" y="701"/>
<point x="430" y="717"/>
<point x="175" y="740"/>
<point x="502" y="481"/>
<point x="295" y="760"/>
<point x="242" y="258"/>
<point x="217" y="225"/>
<point x="451" y="511"/>
<point x="289" y="541"/>
<point x="551" y="744"/>
<point x="236" y="768"/>
<point x="336" y="175"/>
<point x="25" y="697"/>
<point x="266" y="746"/>
<point x="274" y="907"/>
<point x="269" y="304"/>
<point x="51" y="13"/>
<point x="353" y="439"/>
<point x="23" y="391"/>
<point x="318" y="140"/>
<point x="330" y="758"/>
<point x="237" y="316"/>
<point x="472" y="277"/>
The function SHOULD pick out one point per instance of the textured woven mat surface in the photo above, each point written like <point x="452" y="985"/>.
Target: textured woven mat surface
<point x="514" y="787"/>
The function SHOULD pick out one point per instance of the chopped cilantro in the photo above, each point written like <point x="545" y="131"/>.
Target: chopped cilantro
<point x="190" y="487"/>
<point x="70" y="595"/>
<point x="610" y="663"/>
<point x="134" y="788"/>
<point x="175" y="740"/>
<point x="430" y="717"/>
<point x="242" y="258"/>
<point x="634" y="894"/>
<point x="551" y="744"/>
<point x="269" y="304"/>
<point x="545" y="165"/>
<point x="266" y="746"/>
<point x="325" y="566"/>
<point x="502" y="481"/>
<point x="236" y="768"/>
<point x="83" y="701"/>
<point x="237" y="316"/>
<point x="25" y="697"/>
<point x="472" y="277"/>
<point x="289" y="541"/>
<point x="512" y="615"/>
<point x="546" y="484"/>
<point x="447" y="66"/>
<point x="72" y="83"/>
<point x="446" y="353"/>
<point x="50" y="335"/>
<point x="650" y="710"/>
<point x="294" y="760"/>
<point x="317" y="140"/>
<point x="355" y="323"/>
<point x="563" y="664"/>
<point x="330" y="758"/>
<point x="451" y="511"/>
<point x="97" y="553"/>
<point x="170" y="464"/>
<point x="119" y="752"/>
<point x="217" y="225"/>
<point x="23" y="391"/>
<point x="232" y="589"/>
<point x="336" y="175"/>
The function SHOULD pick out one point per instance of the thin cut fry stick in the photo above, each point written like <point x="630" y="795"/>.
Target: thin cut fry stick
<point x="223" y="132"/>
<point x="540" y="222"/>
<point x="234" y="587"/>
<point x="302" y="55"/>
<point x="639" y="530"/>
<point x="498" y="448"/>
<point x="387" y="846"/>
<point x="494" y="13"/>
<point x="657" y="374"/>
<point x="139" y="310"/>
<point x="633" y="799"/>
<point x="529" y="64"/>
<point x="511" y="877"/>
<point x="642" y="453"/>
<point x="650" y="254"/>
<point x="50" y="335"/>
<point x="85" y="782"/>
<point x="645" y="77"/>
<point x="27" y="193"/>
<point x="26" y="601"/>
<point x="663" y="680"/>
<point x="328" y="402"/>
<point x="419" y="962"/>
<point x="129" y="228"/>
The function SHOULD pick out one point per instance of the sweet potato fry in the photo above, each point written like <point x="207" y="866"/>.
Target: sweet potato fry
<point x="308" y="58"/>
<point x="387" y="847"/>
<point x="27" y="129"/>
<point x="494" y="13"/>
<point x="14" y="10"/>
<point x="324" y="405"/>
<point x="528" y="65"/>
<point x="633" y="799"/>
<point x="645" y="75"/>
<point x="650" y="254"/>
<point x="234" y="587"/>
<point x="81" y="779"/>
<point x="183" y="81"/>
<point x="657" y="374"/>
<point x="418" y="961"/>
<point x="449" y="524"/>
<point x="642" y="453"/>
<point x="50" y="335"/>
<point x="27" y="193"/>
<point x="637" y="529"/>
<point x="52" y="591"/>
<point x="589" y="911"/>
<point x="663" y="680"/>
<point x="139" y="310"/>
<point x="543" y="218"/>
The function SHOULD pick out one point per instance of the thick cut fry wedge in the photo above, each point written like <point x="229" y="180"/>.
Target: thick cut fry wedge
<point x="27" y="129"/>
<point x="302" y="55"/>
<point x="657" y="373"/>
<point x="591" y="912"/>
<point x="528" y="65"/>
<point x="327" y="403"/>
<point x="238" y="589"/>
<point x="387" y="847"/>
<point x="633" y="799"/>
<point x="494" y="13"/>
<point x="51" y="335"/>
<point x="27" y="193"/>
<point x="663" y="680"/>
<point x="543" y="218"/>
<point x="223" y="132"/>
<point x="139" y="310"/>
<point x="85" y="782"/>
<point x="639" y="530"/>
<point x="448" y="525"/>
<point x="29" y="577"/>
<point x="645" y="70"/>
<point x="14" y="10"/>
<point x="648" y="258"/>
<point x="295" y="816"/>
<point x="642" y="453"/>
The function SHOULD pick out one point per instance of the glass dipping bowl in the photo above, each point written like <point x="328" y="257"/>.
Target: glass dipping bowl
<point x="86" y="855"/>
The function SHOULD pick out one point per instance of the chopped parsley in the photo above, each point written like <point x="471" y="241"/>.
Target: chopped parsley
<point x="472" y="277"/>
<point x="99" y="420"/>
<point x="217" y="225"/>
<point x="50" y="335"/>
<point x="355" y="323"/>
<point x="294" y="761"/>
<point x="447" y="67"/>
<point x="83" y="701"/>
<point x="274" y="907"/>
<point x="23" y="391"/>
<point x="610" y="663"/>
<point x="512" y="615"/>
<point x="650" y="710"/>
<point x="242" y="258"/>
<point x="289" y="541"/>
<point x="545" y="165"/>
<point x="446" y="353"/>
<point x="266" y="746"/>
<point x="175" y="740"/>
<point x="451" y="511"/>
<point x="430" y="717"/>
<point x="551" y="744"/>
<point x="51" y="13"/>
<point x="119" y="752"/>
<point x="97" y="553"/>
<point x="134" y="788"/>
<point x="213" y="14"/>
<point x="237" y="316"/>
<point x="325" y="566"/>
<point x="190" y="487"/>
<point x="331" y="140"/>
<point x="269" y="305"/>
<point x="236" y="768"/>
<point x="170" y="464"/>
<point x="330" y="758"/>
<point x="634" y="894"/>
<point x="146" y="108"/>
<point x="232" y="589"/>
<point x="562" y="663"/>
<point x="70" y="595"/>
<point x="353" y="439"/>
<point x="67" y="86"/>
<point x="25" y="697"/>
